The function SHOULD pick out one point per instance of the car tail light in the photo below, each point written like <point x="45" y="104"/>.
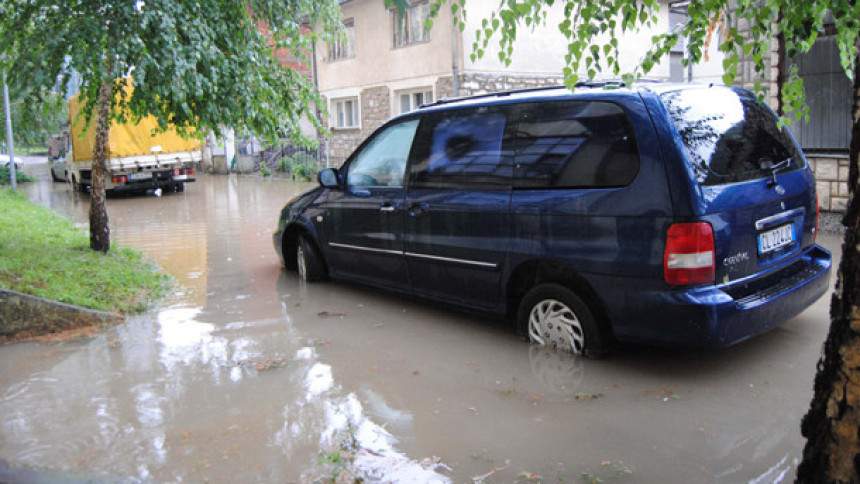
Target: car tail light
<point x="120" y="179"/>
<point x="817" y="210"/>
<point x="689" y="255"/>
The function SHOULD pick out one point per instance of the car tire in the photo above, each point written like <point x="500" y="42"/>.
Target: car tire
<point x="309" y="263"/>
<point x="554" y="316"/>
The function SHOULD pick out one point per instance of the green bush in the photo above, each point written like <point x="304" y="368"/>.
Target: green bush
<point x="304" y="166"/>
<point x="264" y="169"/>
<point x="283" y="164"/>
<point x="5" y="176"/>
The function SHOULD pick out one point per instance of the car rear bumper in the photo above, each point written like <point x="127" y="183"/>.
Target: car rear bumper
<point x="716" y="316"/>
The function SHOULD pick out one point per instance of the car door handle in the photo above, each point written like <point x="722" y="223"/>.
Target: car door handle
<point x="418" y="209"/>
<point x="388" y="208"/>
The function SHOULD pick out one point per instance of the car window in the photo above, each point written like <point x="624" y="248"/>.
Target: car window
<point x="729" y="137"/>
<point x="382" y="162"/>
<point x="575" y="144"/>
<point x="463" y="148"/>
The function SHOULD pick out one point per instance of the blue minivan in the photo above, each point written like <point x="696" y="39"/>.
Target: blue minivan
<point x="677" y="215"/>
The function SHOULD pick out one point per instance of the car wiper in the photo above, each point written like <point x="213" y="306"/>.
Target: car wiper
<point x="777" y="168"/>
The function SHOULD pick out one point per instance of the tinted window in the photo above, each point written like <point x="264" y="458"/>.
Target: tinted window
<point x="729" y="137"/>
<point x="382" y="162"/>
<point x="459" y="148"/>
<point x="575" y="144"/>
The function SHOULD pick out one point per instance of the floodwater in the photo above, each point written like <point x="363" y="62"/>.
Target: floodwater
<point x="248" y="375"/>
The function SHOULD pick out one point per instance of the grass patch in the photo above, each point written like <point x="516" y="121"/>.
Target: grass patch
<point x="6" y="176"/>
<point x="45" y="255"/>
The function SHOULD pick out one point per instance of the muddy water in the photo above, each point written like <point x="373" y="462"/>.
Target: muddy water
<point x="246" y="375"/>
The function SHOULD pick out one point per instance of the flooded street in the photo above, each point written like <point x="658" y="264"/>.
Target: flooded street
<point x="247" y="375"/>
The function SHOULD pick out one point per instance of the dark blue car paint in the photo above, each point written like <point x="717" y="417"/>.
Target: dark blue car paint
<point x="465" y="246"/>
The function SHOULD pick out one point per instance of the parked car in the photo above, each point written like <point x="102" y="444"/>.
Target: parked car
<point x="59" y="171"/>
<point x="4" y="159"/>
<point x="677" y="215"/>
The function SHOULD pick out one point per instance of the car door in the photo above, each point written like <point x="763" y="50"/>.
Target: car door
<point x="364" y="220"/>
<point x="457" y="205"/>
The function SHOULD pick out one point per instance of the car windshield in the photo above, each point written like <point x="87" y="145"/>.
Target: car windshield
<point x="729" y="137"/>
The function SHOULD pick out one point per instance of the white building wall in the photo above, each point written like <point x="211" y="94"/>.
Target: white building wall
<point x="541" y="50"/>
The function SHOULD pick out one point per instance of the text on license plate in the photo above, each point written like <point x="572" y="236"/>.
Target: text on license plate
<point x="140" y="176"/>
<point x="776" y="238"/>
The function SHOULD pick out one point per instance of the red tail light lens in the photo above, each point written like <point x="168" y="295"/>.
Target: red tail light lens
<point x="689" y="255"/>
<point x="817" y="210"/>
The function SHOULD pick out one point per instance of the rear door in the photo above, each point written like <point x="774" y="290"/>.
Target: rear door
<point x="458" y="205"/>
<point x="749" y="178"/>
<point x="364" y="221"/>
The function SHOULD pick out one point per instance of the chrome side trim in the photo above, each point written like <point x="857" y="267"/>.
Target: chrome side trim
<point x="412" y="254"/>
<point x="449" y="259"/>
<point x="365" y="249"/>
<point x="767" y="221"/>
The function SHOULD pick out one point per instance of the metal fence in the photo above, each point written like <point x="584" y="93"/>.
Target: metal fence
<point x="828" y="94"/>
<point x="282" y="157"/>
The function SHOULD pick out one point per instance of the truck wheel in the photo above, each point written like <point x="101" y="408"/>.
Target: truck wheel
<point x="554" y="316"/>
<point x="309" y="263"/>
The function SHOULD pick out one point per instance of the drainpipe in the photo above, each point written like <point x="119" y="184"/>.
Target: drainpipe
<point x="455" y="56"/>
<point x="317" y="89"/>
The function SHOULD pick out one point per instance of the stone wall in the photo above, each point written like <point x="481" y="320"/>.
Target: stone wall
<point x="831" y="181"/>
<point x="747" y="75"/>
<point x="474" y="84"/>
<point x="375" y="110"/>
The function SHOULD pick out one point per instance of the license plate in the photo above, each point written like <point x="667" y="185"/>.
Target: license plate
<point x="140" y="176"/>
<point x="776" y="238"/>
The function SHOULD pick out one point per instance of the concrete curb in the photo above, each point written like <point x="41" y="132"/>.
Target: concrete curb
<point x="23" y="316"/>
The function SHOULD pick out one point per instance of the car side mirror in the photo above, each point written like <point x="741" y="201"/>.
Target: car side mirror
<point x="328" y="178"/>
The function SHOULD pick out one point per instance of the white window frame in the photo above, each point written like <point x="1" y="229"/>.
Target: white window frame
<point x="339" y="113"/>
<point x="343" y="48"/>
<point x="425" y="92"/>
<point x="403" y="33"/>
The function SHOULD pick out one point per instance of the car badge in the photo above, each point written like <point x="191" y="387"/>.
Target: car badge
<point x="779" y="190"/>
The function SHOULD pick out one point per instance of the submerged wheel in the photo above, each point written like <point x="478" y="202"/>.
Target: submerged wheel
<point x="554" y="316"/>
<point x="309" y="263"/>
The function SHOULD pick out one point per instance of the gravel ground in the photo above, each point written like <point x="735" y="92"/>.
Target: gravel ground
<point x="831" y="223"/>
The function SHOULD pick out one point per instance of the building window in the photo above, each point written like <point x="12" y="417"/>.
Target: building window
<point x="410" y="100"/>
<point x="411" y="26"/>
<point x="345" y="113"/>
<point x="343" y="47"/>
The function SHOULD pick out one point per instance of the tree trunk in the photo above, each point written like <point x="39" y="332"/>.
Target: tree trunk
<point x="99" y="228"/>
<point x="832" y="425"/>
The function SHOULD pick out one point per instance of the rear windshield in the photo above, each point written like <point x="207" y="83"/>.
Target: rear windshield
<point x="729" y="137"/>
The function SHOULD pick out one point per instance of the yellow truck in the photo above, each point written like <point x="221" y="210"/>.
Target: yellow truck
<point x="137" y="159"/>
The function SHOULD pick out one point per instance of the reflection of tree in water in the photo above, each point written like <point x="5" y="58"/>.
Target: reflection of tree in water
<point x="560" y="372"/>
<point x="699" y="135"/>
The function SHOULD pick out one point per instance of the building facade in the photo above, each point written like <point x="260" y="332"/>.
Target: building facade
<point x="387" y="64"/>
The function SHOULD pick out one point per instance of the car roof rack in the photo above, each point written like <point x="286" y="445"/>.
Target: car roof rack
<point x="588" y="83"/>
